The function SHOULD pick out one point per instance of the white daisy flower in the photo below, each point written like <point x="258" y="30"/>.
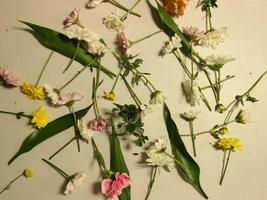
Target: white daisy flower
<point x="213" y="38"/>
<point x="74" y="183"/>
<point x="113" y="22"/>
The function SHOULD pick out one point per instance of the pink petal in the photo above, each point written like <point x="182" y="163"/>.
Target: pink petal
<point x="106" y="185"/>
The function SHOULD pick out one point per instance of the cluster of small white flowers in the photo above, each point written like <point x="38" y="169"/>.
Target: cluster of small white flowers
<point x="171" y="45"/>
<point x="113" y="22"/>
<point x="191" y="92"/>
<point x="218" y="59"/>
<point x="190" y="115"/>
<point x="213" y="38"/>
<point x="156" y="155"/>
<point x="85" y="132"/>
<point x="75" y="181"/>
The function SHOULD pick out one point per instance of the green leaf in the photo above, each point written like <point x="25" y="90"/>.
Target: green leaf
<point x="60" y="43"/>
<point x="189" y="170"/>
<point x="167" y="19"/>
<point x="117" y="162"/>
<point x="50" y="130"/>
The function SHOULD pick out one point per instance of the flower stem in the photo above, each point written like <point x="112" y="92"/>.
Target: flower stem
<point x="146" y="79"/>
<point x="8" y="186"/>
<point x="18" y="115"/>
<point x="134" y="96"/>
<point x="143" y="38"/>
<point x="76" y="75"/>
<point x="117" y="4"/>
<point x="73" y="57"/>
<point x="76" y="129"/>
<point x="60" y="171"/>
<point x="225" y="165"/>
<point x="130" y="10"/>
<point x="116" y="80"/>
<point x="63" y="147"/>
<point x="212" y="86"/>
<point x="151" y="182"/>
<point x="176" y="161"/>
<point x="187" y="72"/>
<point x="192" y="136"/>
<point x="99" y="157"/>
<point x="44" y="67"/>
<point x="223" y="80"/>
<point x="204" y="99"/>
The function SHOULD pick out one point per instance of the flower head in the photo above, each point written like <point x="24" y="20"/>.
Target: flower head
<point x="74" y="183"/>
<point x="32" y="91"/>
<point x="218" y="61"/>
<point x="52" y="94"/>
<point x="223" y="131"/>
<point x="191" y="92"/>
<point x="8" y="78"/>
<point x="96" y="48"/>
<point x="99" y="124"/>
<point x="243" y="117"/>
<point x="80" y="33"/>
<point x="220" y="108"/>
<point x="113" y="22"/>
<point x="213" y="38"/>
<point x="72" y="18"/>
<point x="189" y="115"/>
<point x="229" y="144"/>
<point x="173" y="44"/>
<point x="157" y="97"/>
<point x="123" y="43"/>
<point x="93" y="3"/>
<point x="112" y="188"/>
<point x="69" y="98"/>
<point x="40" y="117"/>
<point x="109" y="96"/>
<point x="175" y="7"/>
<point x="28" y="173"/>
<point x="193" y="34"/>
<point x="85" y="132"/>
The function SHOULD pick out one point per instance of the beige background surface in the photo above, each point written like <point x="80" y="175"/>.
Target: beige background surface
<point x="21" y="52"/>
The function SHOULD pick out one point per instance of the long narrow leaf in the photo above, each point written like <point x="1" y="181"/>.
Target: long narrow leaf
<point x="117" y="162"/>
<point x="60" y="43"/>
<point x="50" y="130"/>
<point x="189" y="170"/>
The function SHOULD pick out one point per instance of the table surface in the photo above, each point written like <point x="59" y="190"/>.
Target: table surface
<point x="20" y="51"/>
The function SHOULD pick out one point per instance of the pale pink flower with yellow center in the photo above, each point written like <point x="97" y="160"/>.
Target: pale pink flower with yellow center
<point x="8" y="78"/>
<point x="72" y="18"/>
<point x="193" y="34"/>
<point x="69" y="98"/>
<point x="99" y="124"/>
<point x="112" y="188"/>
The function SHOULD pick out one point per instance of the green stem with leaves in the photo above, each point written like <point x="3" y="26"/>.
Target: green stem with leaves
<point x="43" y="68"/>
<point x="134" y="96"/>
<point x="18" y="114"/>
<point x="151" y="182"/>
<point x="8" y="186"/>
<point x="221" y="81"/>
<point x="225" y="164"/>
<point x="60" y="171"/>
<point x="192" y="137"/>
<point x="73" y="57"/>
<point x="187" y="72"/>
<point x="76" y="129"/>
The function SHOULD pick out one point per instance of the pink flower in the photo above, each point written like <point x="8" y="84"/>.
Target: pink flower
<point x="123" y="43"/>
<point x="193" y="33"/>
<point x="69" y="98"/>
<point x="114" y="188"/>
<point x="72" y="18"/>
<point x="99" y="124"/>
<point x="8" y="77"/>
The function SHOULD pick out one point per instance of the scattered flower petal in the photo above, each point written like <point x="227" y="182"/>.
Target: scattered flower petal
<point x="40" y="117"/>
<point x="74" y="183"/>
<point x="32" y="91"/>
<point x="8" y="78"/>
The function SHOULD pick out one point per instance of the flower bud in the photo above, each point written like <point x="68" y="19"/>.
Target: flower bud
<point x="28" y="173"/>
<point x="220" y="108"/>
<point x="243" y="117"/>
<point x="223" y="131"/>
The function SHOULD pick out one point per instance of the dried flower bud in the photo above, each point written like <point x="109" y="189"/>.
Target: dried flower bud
<point x="220" y="108"/>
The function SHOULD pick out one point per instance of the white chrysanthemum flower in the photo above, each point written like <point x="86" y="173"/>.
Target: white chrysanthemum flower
<point x="85" y="132"/>
<point x="191" y="92"/>
<point x="190" y="115"/>
<point x="243" y="117"/>
<point x="161" y="143"/>
<point x="218" y="59"/>
<point x="157" y="98"/>
<point x="52" y="94"/>
<point x="213" y="38"/>
<point x="160" y="159"/>
<point x="174" y="43"/>
<point x="113" y="22"/>
<point x="145" y="111"/>
<point x="79" y="33"/>
<point x="74" y="183"/>
<point x="96" y="48"/>
<point x="93" y="3"/>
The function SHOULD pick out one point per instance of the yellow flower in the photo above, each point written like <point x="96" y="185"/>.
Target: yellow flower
<point x="175" y="7"/>
<point x="28" y="173"/>
<point x="40" y="117"/>
<point x="109" y="96"/>
<point x="32" y="91"/>
<point x="229" y="144"/>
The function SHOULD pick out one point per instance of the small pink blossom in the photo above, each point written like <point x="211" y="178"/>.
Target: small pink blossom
<point x="193" y="33"/>
<point x="123" y="43"/>
<point x="8" y="77"/>
<point x="99" y="124"/>
<point x="72" y="18"/>
<point x="114" y="188"/>
<point x="69" y="98"/>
